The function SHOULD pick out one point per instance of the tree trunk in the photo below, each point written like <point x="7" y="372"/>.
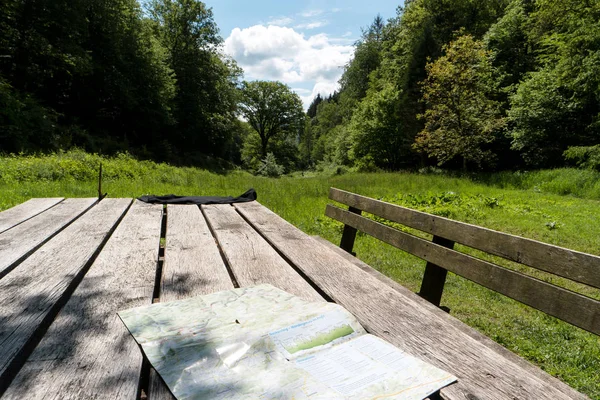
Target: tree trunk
<point x="263" y="148"/>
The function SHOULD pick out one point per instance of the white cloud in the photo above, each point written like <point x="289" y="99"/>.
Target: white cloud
<point x="302" y="91"/>
<point x="280" y="21"/>
<point x="311" y="13"/>
<point x="325" y="88"/>
<point x="280" y="53"/>
<point x="312" y="25"/>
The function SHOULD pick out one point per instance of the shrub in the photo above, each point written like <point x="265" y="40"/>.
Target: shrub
<point x="269" y="167"/>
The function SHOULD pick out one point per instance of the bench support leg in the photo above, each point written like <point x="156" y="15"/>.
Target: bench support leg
<point x="349" y="234"/>
<point x="435" y="276"/>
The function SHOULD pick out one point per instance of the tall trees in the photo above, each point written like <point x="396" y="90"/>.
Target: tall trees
<point x="366" y="59"/>
<point x="40" y="53"/>
<point x="558" y="104"/>
<point x="204" y="103"/>
<point x="461" y="117"/>
<point x="271" y="109"/>
<point x="94" y="63"/>
<point x="107" y="77"/>
<point x="124" y="98"/>
<point x="328" y="129"/>
<point x="385" y="123"/>
<point x="312" y="108"/>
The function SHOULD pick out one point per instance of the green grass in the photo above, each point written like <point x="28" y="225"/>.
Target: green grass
<point x="558" y="206"/>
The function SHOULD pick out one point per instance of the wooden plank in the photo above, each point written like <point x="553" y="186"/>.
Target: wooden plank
<point x="22" y="212"/>
<point x="447" y="319"/>
<point x="250" y="257"/>
<point x="407" y="322"/>
<point x="87" y="351"/>
<point x="434" y="277"/>
<point x="571" y="264"/>
<point x="193" y="266"/>
<point x="349" y="234"/>
<point x="17" y="243"/>
<point x="32" y="294"/>
<point x="569" y="306"/>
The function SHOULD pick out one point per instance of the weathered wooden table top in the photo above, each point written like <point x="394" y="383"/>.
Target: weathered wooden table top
<point x="68" y="265"/>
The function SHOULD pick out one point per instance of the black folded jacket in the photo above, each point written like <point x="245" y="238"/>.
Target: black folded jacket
<point x="250" y="195"/>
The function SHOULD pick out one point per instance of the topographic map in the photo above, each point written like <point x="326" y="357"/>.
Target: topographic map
<point x="263" y="343"/>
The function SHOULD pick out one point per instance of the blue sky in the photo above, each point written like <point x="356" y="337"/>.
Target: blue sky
<point x="302" y="43"/>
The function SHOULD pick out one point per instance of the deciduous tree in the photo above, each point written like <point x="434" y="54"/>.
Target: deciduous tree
<point x="461" y="117"/>
<point x="271" y="108"/>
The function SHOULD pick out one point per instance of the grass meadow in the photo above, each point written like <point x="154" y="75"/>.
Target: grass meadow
<point x="557" y="206"/>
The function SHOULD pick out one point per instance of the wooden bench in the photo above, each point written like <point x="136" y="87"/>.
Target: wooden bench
<point x="441" y="257"/>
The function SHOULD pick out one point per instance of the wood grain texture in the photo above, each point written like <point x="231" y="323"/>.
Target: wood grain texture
<point x="18" y="242"/>
<point x="250" y="257"/>
<point x="22" y="212"/>
<point x="403" y="321"/>
<point x="447" y="319"/>
<point x="33" y="293"/>
<point x="571" y="264"/>
<point x="87" y="352"/>
<point x="569" y="306"/>
<point x="193" y="266"/>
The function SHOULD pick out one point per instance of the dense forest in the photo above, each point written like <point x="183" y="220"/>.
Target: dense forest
<point x="493" y="84"/>
<point x="108" y="76"/>
<point x="463" y="84"/>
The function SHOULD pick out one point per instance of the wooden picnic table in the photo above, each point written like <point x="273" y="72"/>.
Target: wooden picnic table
<point x="68" y="265"/>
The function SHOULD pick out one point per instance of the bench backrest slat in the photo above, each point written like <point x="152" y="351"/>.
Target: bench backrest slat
<point x="570" y="264"/>
<point x="569" y="306"/>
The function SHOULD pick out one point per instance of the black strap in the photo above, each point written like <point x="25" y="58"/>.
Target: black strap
<point x="249" y="195"/>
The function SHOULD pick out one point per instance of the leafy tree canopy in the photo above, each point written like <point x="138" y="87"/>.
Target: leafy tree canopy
<point x="271" y="109"/>
<point x="461" y="117"/>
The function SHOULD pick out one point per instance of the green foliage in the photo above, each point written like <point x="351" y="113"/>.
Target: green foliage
<point x="331" y="141"/>
<point x="558" y="105"/>
<point x="24" y="124"/>
<point x="376" y="137"/>
<point x="461" y="117"/>
<point x="365" y="60"/>
<point x="283" y="148"/>
<point x="329" y="128"/>
<point x="385" y="123"/>
<point x="96" y="66"/>
<point x="104" y="76"/>
<point x="271" y="109"/>
<point x="205" y="101"/>
<point x="269" y="167"/>
<point x="561" y="181"/>
<point x="535" y="62"/>
<point x="110" y="78"/>
<point x="312" y="108"/>
<point x="584" y="157"/>
<point x="545" y="118"/>
<point x="79" y="166"/>
<point x="449" y="204"/>
<point x="510" y="43"/>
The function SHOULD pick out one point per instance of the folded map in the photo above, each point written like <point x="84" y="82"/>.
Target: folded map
<point x="263" y="343"/>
